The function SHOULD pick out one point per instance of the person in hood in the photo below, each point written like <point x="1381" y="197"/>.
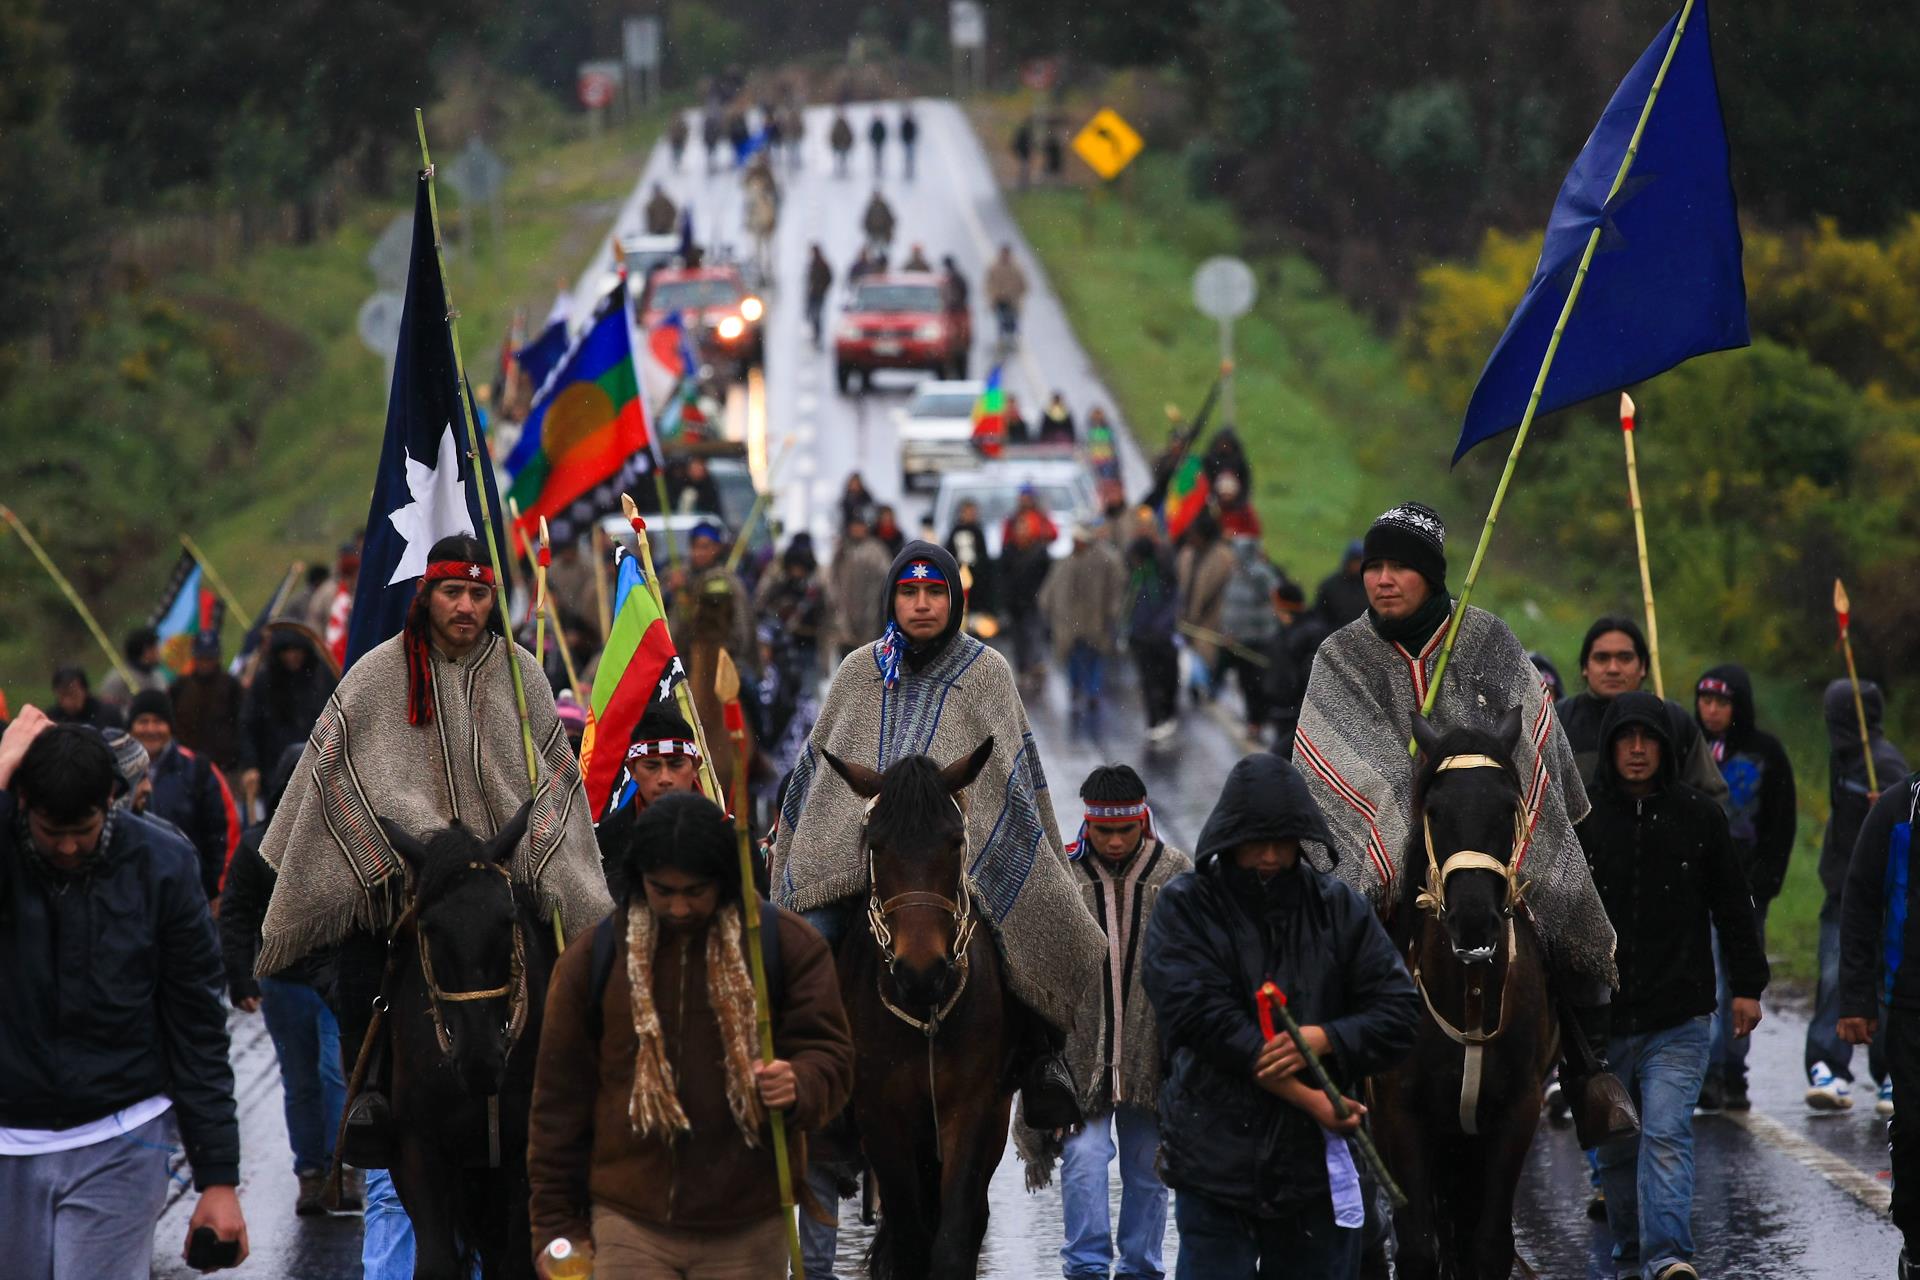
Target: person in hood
<point x="290" y="688"/>
<point x="1762" y="814"/>
<point x="967" y="540"/>
<point x="925" y="687"/>
<point x="1851" y="792"/>
<point x="74" y="703"/>
<point x="1246" y="1139"/>
<point x="1614" y="659"/>
<point x="1026" y="559"/>
<point x="1671" y="879"/>
<point x="1343" y="594"/>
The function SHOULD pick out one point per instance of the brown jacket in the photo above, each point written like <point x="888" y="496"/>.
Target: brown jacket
<point x="1203" y="573"/>
<point x="582" y="1149"/>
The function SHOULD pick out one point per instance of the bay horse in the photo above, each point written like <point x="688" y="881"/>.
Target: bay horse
<point x="1456" y="1119"/>
<point x="465" y="991"/>
<point x="932" y="1026"/>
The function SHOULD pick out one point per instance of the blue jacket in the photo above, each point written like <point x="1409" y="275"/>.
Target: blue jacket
<point x="1878" y="923"/>
<point x="112" y="992"/>
<point x="190" y="792"/>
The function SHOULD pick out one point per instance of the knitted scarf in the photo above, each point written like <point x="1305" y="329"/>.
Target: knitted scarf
<point x="654" y="1109"/>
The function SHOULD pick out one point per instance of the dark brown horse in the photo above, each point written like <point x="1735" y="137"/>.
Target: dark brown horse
<point x="933" y="1084"/>
<point x="467" y="989"/>
<point x="1455" y="1119"/>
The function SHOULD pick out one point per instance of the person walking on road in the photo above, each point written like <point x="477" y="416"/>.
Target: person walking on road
<point x="74" y="703"/>
<point x="1026" y="557"/>
<point x="1614" y="660"/>
<point x="114" y="1036"/>
<point x="649" y="1146"/>
<point x="1006" y="287"/>
<point x="819" y="283"/>
<point x="967" y="542"/>
<point x="840" y="138"/>
<point x="1023" y="151"/>
<point x="856" y="501"/>
<point x="1248" y="621"/>
<point x="188" y="790"/>
<point x="1056" y="422"/>
<point x="909" y="137"/>
<point x="857" y="583"/>
<point x="1115" y="1046"/>
<point x="1205" y="568"/>
<point x="878" y="223"/>
<point x="1850" y="794"/>
<point x="1153" y="612"/>
<point x="1763" y="818"/>
<point x="877" y="139"/>
<point x="1668" y="872"/>
<point x="206" y="706"/>
<point x="662" y="215"/>
<point x="1083" y="601"/>
<point x="677" y="133"/>
<point x="712" y="131"/>
<point x="290" y="688"/>
<point x="1265" y="1182"/>
<point x="1055" y="154"/>
<point x="1343" y="593"/>
<point x="142" y="650"/>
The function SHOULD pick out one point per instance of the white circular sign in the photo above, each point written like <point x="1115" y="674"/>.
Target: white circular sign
<point x="379" y="322"/>
<point x="1223" y="288"/>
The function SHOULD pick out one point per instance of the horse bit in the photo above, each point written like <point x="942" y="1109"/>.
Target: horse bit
<point x="960" y="907"/>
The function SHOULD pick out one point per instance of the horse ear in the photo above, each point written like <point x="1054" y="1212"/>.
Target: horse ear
<point x="508" y="838"/>
<point x="864" y="782"/>
<point x="1426" y="736"/>
<point x="959" y="775"/>
<point x="411" y="851"/>
<point x="1508" y="731"/>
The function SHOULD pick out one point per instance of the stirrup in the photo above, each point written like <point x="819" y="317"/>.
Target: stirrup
<point x="367" y="1141"/>
<point x="1051" y="1101"/>
<point x="1603" y="1111"/>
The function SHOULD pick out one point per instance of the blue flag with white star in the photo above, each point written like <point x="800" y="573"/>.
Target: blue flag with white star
<point x="423" y="490"/>
<point x="1665" y="282"/>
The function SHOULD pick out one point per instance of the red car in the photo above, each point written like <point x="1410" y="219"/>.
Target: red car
<point x="722" y="315"/>
<point x="900" y="321"/>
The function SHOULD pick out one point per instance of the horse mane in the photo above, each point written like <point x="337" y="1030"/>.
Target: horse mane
<point x="912" y="793"/>
<point x="448" y="851"/>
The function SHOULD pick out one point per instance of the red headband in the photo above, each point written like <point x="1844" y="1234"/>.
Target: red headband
<point x="458" y="571"/>
<point x="1711" y="684"/>
<point x="1117" y="813"/>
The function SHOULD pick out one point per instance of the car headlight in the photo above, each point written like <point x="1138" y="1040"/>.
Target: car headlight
<point x="751" y="309"/>
<point x="731" y="328"/>
<point x="928" y="331"/>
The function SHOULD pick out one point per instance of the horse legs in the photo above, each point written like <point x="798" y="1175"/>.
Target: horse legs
<point x="1403" y="1146"/>
<point x="432" y="1201"/>
<point x="973" y="1141"/>
<point x="903" y="1246"/>
<point x="1504" y="1153"/>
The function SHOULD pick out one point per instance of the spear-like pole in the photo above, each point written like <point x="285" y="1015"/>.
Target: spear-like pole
<point x="1272" y="1001"/>
<point x="600" y="599"/>
<point x="1640" y="537"/>
<point x="478" y="454"/>
<point x="73" y="597"/>
<point x="761" y="501"/>
<point x="213" y="576"/>
<point x="1540" y="380"/>
<point x="540" y="602"/>
<point x="1843" y="614"/>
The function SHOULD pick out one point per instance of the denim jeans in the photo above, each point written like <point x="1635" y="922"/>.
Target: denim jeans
<point x="1823" y="1041"/>
<point x="1086" y="671"/>
<point x="1649" y="1178"/>
<point x="819" y="1243"/>
<point x="386" y="1250"/>
<point x="306" y="1040"/>
<point x="1729" y="1054"/>
<point x="1085" y="1199"/>
<point x="1218" y="1243"/>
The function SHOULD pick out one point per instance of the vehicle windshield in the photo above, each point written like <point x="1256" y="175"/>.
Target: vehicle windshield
<point x="943" y="404"/>
<point x="682" y="295"/>
<point x="896" y="297"/>
<point x="997" y="503"/>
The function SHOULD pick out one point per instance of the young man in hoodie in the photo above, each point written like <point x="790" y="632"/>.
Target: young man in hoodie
<point x="1670" y="877"/>
<point x="1246" y="1139"/>
<point x="1115" y="1045"/>
<point x="1850" y="793"/>
<point x="1762" y="817"/>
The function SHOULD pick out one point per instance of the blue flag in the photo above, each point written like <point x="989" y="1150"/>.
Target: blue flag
<point x="1665" y="281"/>
<point x="538" y="358"/>
<point x="423" y="490"/>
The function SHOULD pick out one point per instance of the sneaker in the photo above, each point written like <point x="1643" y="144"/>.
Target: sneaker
<point x="312" y="1198"/>
<point x="1735" y="1096"/>
<point x="1713" y="1096"/>
<point x="1883" y="1105"/>
<point x="1677" y="1271"/>
<point x="1827" y="1092"/>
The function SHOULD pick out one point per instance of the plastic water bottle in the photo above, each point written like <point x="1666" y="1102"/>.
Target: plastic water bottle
<point x="564" y="1262"/>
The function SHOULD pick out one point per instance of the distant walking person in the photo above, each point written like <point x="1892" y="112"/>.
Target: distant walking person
<point x="840" y="138"/>
<point x="877" y="139"/>
<point x="1023" y="151"/>
<point x="1006" y="291"/>
<point x="909" y="137"/>
<point x="819" y="282"/>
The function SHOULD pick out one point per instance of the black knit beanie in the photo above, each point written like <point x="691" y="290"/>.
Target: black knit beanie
<point x="1413" y="534"/>
<point x="151" y="702"/>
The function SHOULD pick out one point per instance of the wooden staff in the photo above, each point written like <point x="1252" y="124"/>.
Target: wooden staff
<point x="73" y="597"/>
<point x="580" y="694"/>
<point x="1640" y="536"/>
<point x="761" y="501"/>
<point x="1843" y="614"/>
<point x="540" y="601"/>
<point x="1272" y="1000"/>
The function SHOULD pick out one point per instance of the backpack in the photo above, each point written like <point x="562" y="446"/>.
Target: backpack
<point x="1894" y="890"/>
<point x="607" y="935"/>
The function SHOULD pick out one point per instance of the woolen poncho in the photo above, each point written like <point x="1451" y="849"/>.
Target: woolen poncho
<point x="1356" y="722"/>
<point x="337" y="872"/>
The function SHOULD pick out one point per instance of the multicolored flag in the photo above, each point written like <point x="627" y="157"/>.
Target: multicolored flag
<point x="587" y="430"/>
<point x="1186" y="494"/>
<point x="638" y="668"/>
<point x="990" y="416"/>
<point x="188" y="608"/>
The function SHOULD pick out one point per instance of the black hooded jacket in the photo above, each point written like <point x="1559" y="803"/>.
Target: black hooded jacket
<point x="1849" y="794"/>
<point x="1582" y="714"/>
<point x="1762" y="811"/>
<point x="281" y="706"/>
<point x="919" y="655"/>
<point x="1668" y="875"/>
<point x="1216" y="935"/>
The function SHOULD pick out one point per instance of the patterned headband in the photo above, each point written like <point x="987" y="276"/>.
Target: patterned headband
<point x="921" y="571"/>
<point x="665" y="747"/>
<point x="458" y="571"/>
<point x="1713" y="684"/>
<point x="1117" y="813"/>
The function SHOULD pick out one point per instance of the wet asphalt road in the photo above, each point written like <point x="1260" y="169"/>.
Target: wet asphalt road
<point x="1780" y="1194"/>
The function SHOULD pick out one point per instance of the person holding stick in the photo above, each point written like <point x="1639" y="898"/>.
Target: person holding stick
<point x="1252" y="1146"/>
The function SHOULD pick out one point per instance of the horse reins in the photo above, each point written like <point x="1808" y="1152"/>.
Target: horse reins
<point x="1434" y="897"/>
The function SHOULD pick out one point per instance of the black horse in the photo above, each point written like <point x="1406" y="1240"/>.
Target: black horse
<point x="465" y="995"/>
<point x="1456" y="1119"/>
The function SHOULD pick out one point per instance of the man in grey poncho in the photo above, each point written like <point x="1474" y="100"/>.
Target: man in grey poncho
<point x="1369" y="678"/>
<point x="422" y="731"/>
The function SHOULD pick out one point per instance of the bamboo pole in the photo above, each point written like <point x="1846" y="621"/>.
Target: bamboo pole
<point x="1540" y="380"/>
<point x="540" y="602"/>
<point x="478" y="453"/>
<point x="1843" y="612"/>
<point x="600" y="597"/>
<point x="580" y="694"/>
<point x="213" y="576"/>
<point x="761" y="501"/>
<point x="1640" y="537"/>
<point x="73" y="597"/>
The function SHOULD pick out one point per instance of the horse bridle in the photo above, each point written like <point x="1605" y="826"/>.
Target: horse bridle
<point x="1434" y="897"/>
<point x="514" y="990"/>
<point x="959" y="907"/>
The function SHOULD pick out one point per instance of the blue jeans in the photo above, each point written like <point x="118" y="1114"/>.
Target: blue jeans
<point x="386" y="1251"/>
<point x="306" y="1040"/>
<point x="1219" y="1243"/>
<point x="1649" y="1178"/>
<point x="1086" y="671"/>
<point x="819" y="1243"/>
<point x="1084" y="1197"/>
<point x="1823" y="1041"/>
<point x="1729" y="1054"/>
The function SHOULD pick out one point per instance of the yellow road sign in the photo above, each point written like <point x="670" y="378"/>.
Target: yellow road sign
<point x="1107" y="143"/>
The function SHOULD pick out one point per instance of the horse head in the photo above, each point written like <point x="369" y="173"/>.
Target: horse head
<point x="919" y="908"/>
<point x="472" y="949"/>
<point x="1468" y="812"/>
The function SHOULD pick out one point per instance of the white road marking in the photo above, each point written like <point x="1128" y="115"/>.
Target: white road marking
<point x="1843" y="1174"/>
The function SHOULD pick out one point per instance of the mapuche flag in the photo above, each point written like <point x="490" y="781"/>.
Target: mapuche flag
<point x="188" y="608"/>
<point x="1186" y="494"/>
<point x="990" y="416"/>
<point x="423" y="490"/>
<point x="638" y="668"/>
<point x="1665" y="283"/>
<point x="586" y="437"/>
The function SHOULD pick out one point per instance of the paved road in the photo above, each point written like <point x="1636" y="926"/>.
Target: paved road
<point x="1781" y="1194"/>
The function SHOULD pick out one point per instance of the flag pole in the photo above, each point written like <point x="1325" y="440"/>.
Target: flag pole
<point x="761" y="501"/>
<point x="580" y="694"/>
<point x="478" y="453"/>
<point x="1640" y="537"/>
<point x="540" y="601"/>
<point x="1843" y="613"/>
<point x="1540" y="380"/>
<point x="213" y="576"/>
<point x="682" y="696"/>
<point x="73" y="597"/>
<point x="599" y="543"/>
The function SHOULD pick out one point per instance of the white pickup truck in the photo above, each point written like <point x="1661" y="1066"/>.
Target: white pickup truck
<point x="935" y="431"/>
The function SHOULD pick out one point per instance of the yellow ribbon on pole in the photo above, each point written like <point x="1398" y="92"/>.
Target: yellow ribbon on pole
<point x="1640" y="537"/>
